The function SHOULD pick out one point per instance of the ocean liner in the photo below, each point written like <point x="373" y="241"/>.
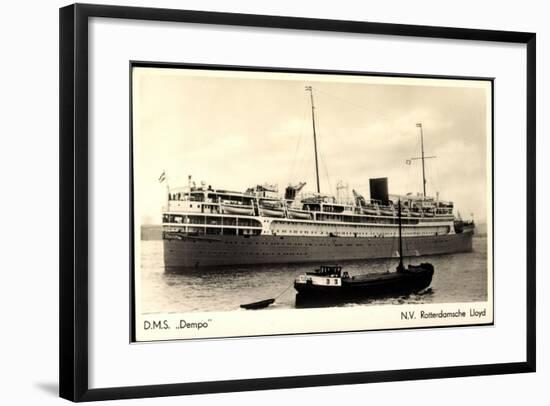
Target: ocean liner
<point x="204" y="226"/>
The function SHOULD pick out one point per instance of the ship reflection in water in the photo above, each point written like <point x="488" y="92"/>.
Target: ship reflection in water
<point x="460" y="277"/>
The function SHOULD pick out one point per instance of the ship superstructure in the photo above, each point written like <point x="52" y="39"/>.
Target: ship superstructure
<point x="205" y="211"/>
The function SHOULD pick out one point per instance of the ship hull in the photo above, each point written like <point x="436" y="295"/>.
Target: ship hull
<point x="199" y="252"/>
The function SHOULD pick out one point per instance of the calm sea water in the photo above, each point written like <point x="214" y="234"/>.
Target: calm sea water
<point x="457" y="278"/>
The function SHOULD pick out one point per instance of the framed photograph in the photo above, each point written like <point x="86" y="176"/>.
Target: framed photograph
<point x="266" y="189"/>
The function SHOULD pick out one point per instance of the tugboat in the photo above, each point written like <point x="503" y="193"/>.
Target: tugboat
<point x="329" y="282"/>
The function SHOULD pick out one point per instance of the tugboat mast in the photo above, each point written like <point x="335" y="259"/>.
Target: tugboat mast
<point x="310" y="90"/>
<point x="400" y="267"/>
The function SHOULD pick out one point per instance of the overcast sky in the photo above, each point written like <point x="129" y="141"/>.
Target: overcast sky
<point x="234" y="130"/>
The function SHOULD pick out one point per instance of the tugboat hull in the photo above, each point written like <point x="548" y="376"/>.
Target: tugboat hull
<point x="375" y="285"/>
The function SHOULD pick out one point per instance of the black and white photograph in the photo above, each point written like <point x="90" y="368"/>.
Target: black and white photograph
<point x="271" y="202"/>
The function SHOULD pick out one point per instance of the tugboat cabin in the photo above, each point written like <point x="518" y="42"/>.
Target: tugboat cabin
<point x="327" y="270"/>
<point x="325" y="275"/>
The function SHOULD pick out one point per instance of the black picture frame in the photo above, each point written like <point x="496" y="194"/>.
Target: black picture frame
<point x="73" y="276"/>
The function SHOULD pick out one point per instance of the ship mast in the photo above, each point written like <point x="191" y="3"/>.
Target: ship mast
<point x="423" y="158"/>
<point x="400" y="267"/>
<point x="310" y="90"/>
<point x="422" y="149"/>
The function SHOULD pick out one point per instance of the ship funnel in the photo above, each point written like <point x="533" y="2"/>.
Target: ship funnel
<point x="379" y="190"/>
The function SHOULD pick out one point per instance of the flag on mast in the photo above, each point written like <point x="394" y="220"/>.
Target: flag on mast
<point x="162" y="177"/>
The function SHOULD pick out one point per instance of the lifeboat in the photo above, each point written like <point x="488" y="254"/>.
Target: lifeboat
<point x="299" y="214"/>
<point x="272" y="212"/>
<point x="271" y="209"/>
<point x="372" y="211"/>
<point x="237" y="209"/>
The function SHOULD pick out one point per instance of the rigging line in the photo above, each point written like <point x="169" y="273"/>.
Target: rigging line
<point x="410" y="181"/>
<point x="306" y="164"/>
<point x="410" y="178"/>
<point x="293" y="166"/>
<point x="287" y="288"/>
<point x="299" y="170"/>
<point x="414" y="153"/>
<point x="322" y="157"/>
<point x="324" y="162"/>
<point x="436" y="179"/>
<point x="300" y="167"/>
<point x="326" y="173"/>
